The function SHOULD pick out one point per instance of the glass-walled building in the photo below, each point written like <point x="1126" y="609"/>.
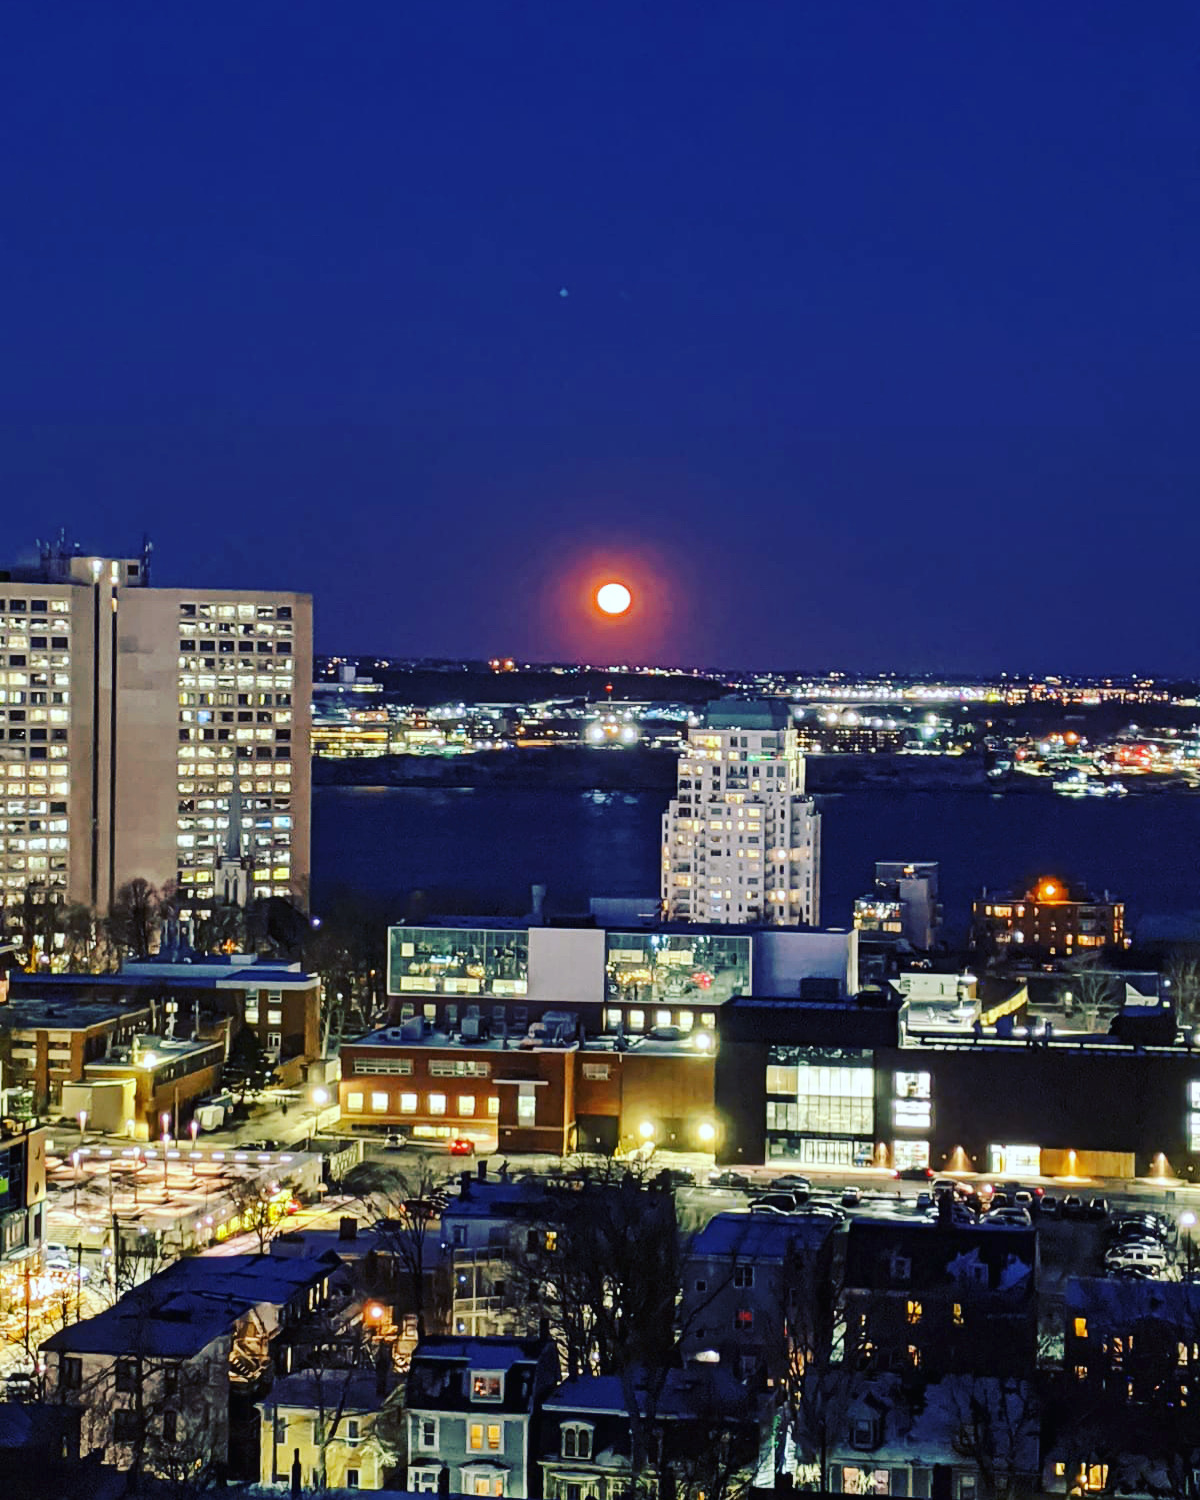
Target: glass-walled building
<point x="458" y="961"/>
<point x="820" y="1106"/>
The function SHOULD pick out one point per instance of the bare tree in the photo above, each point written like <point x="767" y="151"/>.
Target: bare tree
<point x="821" y="1377"/>
<point x="1092" y="986"/>
<point x="997" y="1426"/>
<point x="134" y="916"/>
<point x="410" y="1202"/>
<point x="256" y="1206"/>
<point x="1181" y="973"/>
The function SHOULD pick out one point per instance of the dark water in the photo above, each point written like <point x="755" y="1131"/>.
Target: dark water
<point x="492" y="845"/>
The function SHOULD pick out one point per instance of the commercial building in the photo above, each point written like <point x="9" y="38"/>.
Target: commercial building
<point x="741" y="842"/>
<point x="129" y="717"/>
<point x="903" y="906"/>
<point x="1051" y="917"/>
<point x="851" y="1081"/>
<point x="625" y="978"/>
<point x="49" y="1042"/>
<point x="546" y="1090"/>
<point x="59" y="1022"/>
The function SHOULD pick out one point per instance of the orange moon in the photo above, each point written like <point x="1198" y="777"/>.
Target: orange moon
<point x="613" y="598"/>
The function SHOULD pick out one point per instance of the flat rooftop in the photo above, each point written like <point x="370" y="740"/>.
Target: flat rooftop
<point x="46" y="1013"/>
<point x="391" y="1036"/>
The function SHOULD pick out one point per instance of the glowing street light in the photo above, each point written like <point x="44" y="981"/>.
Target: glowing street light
<point x="83" y="1114"/>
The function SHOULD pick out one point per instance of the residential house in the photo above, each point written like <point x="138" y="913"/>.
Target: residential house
<point x="747" y="1280"/>
<point x="471" y="1406"/>
<point x="961" y="1438"/>
<point x="337" y="1422"/>
<point x="941" y="1298"/>
<point x="1131" y="1357"/>
<point x="154" y="1374"/>
<point x="696" y="1434"/>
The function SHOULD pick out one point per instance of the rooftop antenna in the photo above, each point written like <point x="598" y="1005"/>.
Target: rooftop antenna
<point x="147" y="549"/>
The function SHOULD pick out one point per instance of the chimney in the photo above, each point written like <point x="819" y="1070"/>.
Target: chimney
<point x="538" y="904"/>
<point x="481" y="1170"/>
<point x="297" y="1475"/>
<point x="544" y="1330"/>
<point x="347" y="1227"/>
<point x="464" y="1184"/>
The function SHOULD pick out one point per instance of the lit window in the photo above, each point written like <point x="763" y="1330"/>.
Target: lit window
<point x="379" y="1104"/>
<point x="408" y="1104"/>
<point x="1081" y="1328"/>
<point x="437" y="1104"/>
<point x="354" y="1104"/>
<point x="914" y="1311"/>
<point x="466" y="1104"/>
<point x="486" y="1385"/>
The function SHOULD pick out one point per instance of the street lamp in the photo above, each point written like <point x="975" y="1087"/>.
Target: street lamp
<point x="166" y="1147"/>
<point x="76" y="1157"/>
<point x="320" y="1098"/>
<point x="82" y="1125"/>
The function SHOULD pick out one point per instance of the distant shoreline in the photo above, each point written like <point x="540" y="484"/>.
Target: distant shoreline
<point x="574" y="768"/>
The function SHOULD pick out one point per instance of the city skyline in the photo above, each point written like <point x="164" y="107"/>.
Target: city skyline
<point x="775" y="316"/>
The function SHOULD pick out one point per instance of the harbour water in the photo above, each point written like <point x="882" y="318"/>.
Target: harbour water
<point x="481" y="849"/>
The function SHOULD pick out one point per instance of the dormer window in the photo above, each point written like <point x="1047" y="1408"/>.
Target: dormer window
<point x="576" y="1440"/>
<point x="863" y="1432"/>
<point x="487" y="1385"/>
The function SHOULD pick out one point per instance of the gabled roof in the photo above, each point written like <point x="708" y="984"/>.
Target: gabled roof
<point x="749" y="1236"/>
<point x="694" y="1392"/>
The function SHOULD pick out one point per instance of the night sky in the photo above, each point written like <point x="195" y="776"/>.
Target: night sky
<point x="879" y="347"/>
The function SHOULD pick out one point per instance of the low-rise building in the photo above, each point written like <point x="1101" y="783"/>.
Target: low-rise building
<point x="152" y="1375"/>
<point x="903" y="906"/>
<point x="699" y="1435"/>
<point x="336" y="1422"/>
<point x="750" y="1281"/>
<point x="471" y="1407"/>
<point x="164" y="1077"/>
<point x="50" y="1039"/>
<point x="549" y="1089"/>
<point x="958" y="1438"/>
<point x="1050" y="917"/>
<point x="941" y="1298"/>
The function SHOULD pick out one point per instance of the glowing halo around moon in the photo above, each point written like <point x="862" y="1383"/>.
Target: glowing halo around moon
<point x="613" y="598"/>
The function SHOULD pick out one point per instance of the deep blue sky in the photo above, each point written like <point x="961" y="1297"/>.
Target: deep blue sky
<point x="880" y="344"/>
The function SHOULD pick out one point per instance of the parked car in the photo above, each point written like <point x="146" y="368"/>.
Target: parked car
<point x="914" y="1174"/>
<point x="1143" y="1223"/>
<point x="790" y="1182"/>
<point x="265" y="1145"/>
<point x="1023" y="1198"/>
<point x="56" y="1257"/>
<point x="396" y="1140"/>
<point x="1073" y="1207"/>
<point x="20" y="1385"/>
<point x="735" y="1180"/>
<point x="999" y="1199"/>
<point x="461" y="1145"/>
<point x="1097" y="1208"/>
<point x="851" y="1197"/>
<point x="774" y="1203"/>
<point x="1136" y="1255"/>
<point x="924" y="1202"/>
<point x="1012" y="1217"/>
<point x="1137" y="1273"/>
<point x="819" y="1211"/>
<point x="950" y="1185"/>
<point x="1049" y="1208"/>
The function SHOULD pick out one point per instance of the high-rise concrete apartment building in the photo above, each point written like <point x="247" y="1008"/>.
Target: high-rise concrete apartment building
<point x="128" y="717"/>
<point x="741" y="841"/>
